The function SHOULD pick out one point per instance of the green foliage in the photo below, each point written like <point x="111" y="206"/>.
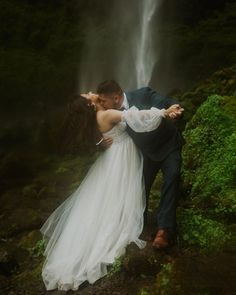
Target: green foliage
<point x="144" y="292"/>
<point x="209" y="166"/>
<point x="200" y="232"/>
<point x="116" y="267"/>
<point x="38" y="249"/>
<point x="165" y="279"/>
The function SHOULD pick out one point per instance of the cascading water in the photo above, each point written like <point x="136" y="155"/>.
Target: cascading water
<point x="121" y="48"/>
<point x="145" y="54"/>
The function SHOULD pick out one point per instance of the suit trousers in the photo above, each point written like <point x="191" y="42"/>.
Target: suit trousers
<point x="170" y="190"/>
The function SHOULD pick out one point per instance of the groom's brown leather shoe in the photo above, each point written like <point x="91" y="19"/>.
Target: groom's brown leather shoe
<point x="161" y="240"/>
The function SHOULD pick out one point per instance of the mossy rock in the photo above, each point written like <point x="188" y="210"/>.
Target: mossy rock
<point x="47" y="192"/>
<point x="200" y="274"/>
<point x="231" y="243"/>
<point x="4" y="283"/>
<point x="140" y="264"/>
<point x="29" y="240"/>
<point x="30" y="281"/>
<point x="222" y="82"/>
<point x="10" y="200"/>
<point x="17" y="164"/>
<point x="21" y="255"/>
<point x="30" y="191"/>
<point x="209" y="159"/>
<point x="8" y="262"/>
<point x="20" y="220"/>
<point x="48" y="205"/>
<point x="14" y="199"/>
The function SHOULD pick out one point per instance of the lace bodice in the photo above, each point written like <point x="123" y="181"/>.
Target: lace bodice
<point x="117" y="133"/>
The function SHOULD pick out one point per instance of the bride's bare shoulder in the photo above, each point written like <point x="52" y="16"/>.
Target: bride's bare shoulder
<point x="109" y="116"/>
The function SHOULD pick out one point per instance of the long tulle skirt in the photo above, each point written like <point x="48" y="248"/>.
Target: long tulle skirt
<point x="93" y="226"/>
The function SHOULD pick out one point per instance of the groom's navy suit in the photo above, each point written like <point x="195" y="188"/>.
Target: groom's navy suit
<point x="161" y="149"/>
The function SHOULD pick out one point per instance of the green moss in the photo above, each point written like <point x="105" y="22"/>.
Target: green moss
<point x="230" y="104"/>
<point x="209" y="166"/>
<point x="116" y="266"/>
<point x="200" y="232"/>
<point x="165" y="284"/>
<point x="30" y="239"/>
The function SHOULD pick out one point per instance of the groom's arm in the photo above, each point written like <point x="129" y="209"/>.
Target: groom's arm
<point x="155" y="99"/>
<point x="160" y="101"/>
<point x="147" y="97"/>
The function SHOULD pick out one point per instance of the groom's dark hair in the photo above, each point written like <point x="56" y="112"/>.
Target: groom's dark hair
<point x="109" y="87"/>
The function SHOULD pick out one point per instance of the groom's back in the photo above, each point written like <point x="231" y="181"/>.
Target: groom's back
<point x="158" y="143"/>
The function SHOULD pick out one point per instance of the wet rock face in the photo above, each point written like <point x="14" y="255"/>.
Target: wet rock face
<point x="4" y="282"/>
<point x="20" y="220"/>
<point x="190" y="12"/>
<point x="210" y="275"/>
<point x="8" y="263"/>
<point x="30" y="239"/>
<point x="222" y="82"/>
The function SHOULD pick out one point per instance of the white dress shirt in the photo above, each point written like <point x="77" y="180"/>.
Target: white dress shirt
<point x="125" y="103"/>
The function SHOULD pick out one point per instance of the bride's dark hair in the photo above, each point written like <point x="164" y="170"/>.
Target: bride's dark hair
<point x="79" y="128"/>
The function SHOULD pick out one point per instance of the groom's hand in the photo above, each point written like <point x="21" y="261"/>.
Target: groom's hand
<point x="174" y="111"/>
<point x="175" y="115"/>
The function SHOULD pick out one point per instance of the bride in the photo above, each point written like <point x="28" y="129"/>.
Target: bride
<point x="93" y="226"/>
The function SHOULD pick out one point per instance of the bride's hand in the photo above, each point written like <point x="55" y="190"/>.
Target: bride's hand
<point x="107" y="142"/>
<point x="91" y="96"/>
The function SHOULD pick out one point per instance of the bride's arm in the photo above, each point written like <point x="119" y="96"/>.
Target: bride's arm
<point x="148" y="120"/>
<point x="139" y="119"/>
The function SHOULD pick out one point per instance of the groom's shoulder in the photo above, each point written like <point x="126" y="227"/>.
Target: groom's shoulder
<point x="140" y="91"/>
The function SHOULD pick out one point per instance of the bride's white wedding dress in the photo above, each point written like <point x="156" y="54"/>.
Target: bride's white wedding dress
<point x="93" y="226"/>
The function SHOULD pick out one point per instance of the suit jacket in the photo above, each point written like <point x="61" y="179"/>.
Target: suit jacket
<point x="160" y="142"/>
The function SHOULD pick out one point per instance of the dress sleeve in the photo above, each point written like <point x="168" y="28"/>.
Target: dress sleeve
<point x="143" y="120"/>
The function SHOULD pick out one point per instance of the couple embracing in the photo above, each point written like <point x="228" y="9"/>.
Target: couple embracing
<point x="93" y="226"/>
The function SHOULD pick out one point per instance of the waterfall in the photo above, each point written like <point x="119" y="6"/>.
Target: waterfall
<point x="145" y="54"/>
<point x="121" y="46"/>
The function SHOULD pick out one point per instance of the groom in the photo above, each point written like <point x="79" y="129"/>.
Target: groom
<point x="161" y="150"/>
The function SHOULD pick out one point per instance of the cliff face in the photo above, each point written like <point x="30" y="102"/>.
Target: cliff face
<point x="192" y="52"/>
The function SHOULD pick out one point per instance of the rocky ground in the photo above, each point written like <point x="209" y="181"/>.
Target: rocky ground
<point x="141" y="272"/>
